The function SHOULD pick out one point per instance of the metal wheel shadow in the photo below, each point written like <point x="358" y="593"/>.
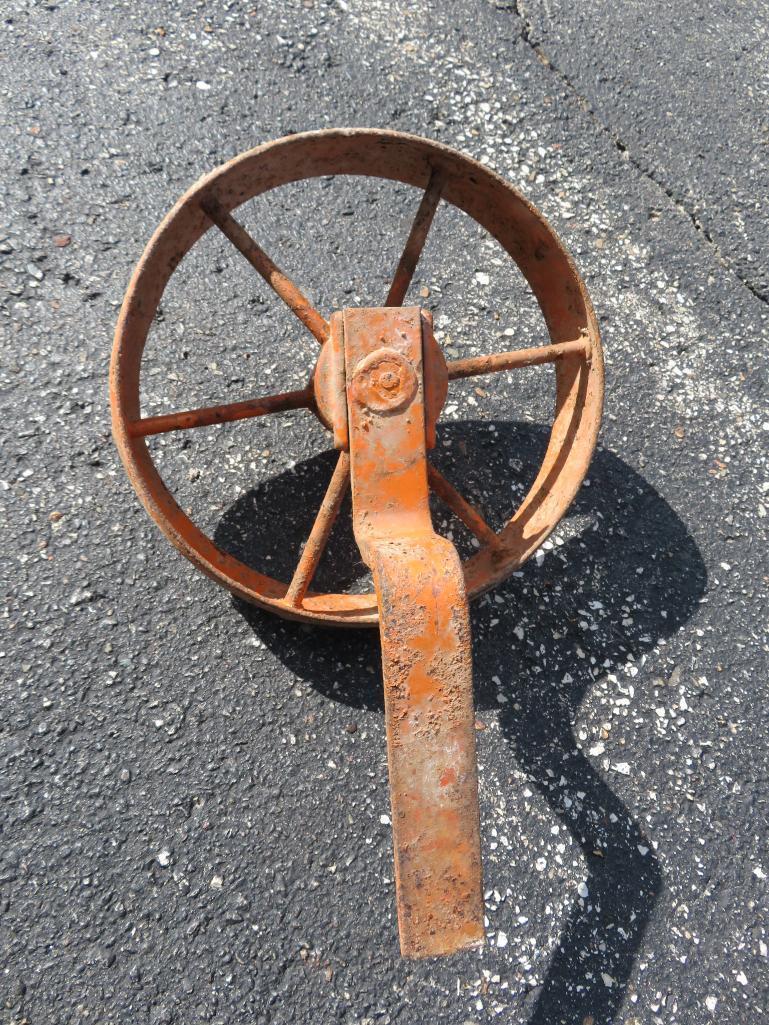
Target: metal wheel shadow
<point x="623" y="546"/>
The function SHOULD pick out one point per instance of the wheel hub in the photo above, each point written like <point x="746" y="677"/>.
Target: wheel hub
<point x="385" y="381"/>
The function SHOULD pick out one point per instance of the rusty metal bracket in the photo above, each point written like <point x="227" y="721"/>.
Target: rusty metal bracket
<point x="425" y="633"/>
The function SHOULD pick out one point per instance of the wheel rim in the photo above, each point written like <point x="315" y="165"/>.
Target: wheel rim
<point x="489" y="200"/>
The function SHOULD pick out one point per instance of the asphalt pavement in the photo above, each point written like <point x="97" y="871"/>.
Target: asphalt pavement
<point x="194" y="816"/>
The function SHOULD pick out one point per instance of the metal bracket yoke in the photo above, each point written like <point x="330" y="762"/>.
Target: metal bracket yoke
<point x="424" y="628"/>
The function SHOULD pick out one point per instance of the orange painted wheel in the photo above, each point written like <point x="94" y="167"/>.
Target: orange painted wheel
<point x="445" y="175"/>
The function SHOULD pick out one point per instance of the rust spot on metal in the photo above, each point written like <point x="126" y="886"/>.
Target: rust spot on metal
<point x="227" y="413"/>
<point x="497" y="361"/>
<point x="319" y="535"/>
<point x="404" y="272"/>
<point x="296" y="301"/>
<point x="384" y="381"/>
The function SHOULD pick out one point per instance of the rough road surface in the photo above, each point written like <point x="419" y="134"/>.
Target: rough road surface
<point x="193" y="801"/>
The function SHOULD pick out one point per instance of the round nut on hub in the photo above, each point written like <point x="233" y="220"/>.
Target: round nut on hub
<point x="385" y="381"/>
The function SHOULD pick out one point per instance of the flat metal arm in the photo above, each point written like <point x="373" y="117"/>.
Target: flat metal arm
<point x="425" y="634"/>
<point x="428" y="689"/>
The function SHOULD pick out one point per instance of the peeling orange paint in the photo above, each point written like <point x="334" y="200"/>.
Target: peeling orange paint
<point x="425" y="638"/>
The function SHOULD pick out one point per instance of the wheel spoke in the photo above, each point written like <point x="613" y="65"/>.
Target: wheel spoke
<point x="297" y="302"/>
<point x="461" y="508"/>
<point x="319" y="535"/>
<point x="209" y="415"/>
<point x="517" y="358"/>
<point x="416" y="240"/>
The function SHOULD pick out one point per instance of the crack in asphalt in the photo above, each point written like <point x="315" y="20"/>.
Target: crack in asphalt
<point x="527" y="28"/>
